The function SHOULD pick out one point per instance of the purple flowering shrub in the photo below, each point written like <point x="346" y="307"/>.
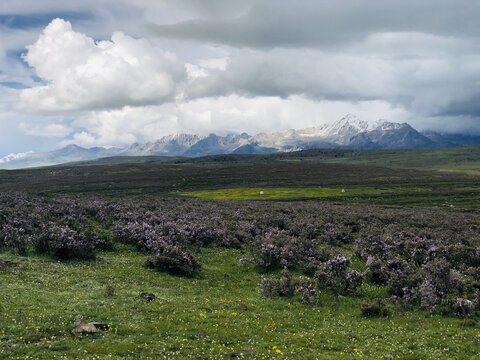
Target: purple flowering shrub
<point x="15" y="238"/>
<point x="63" y="243"/>
<point x="336" y="275"/>
<point x="283" y="286"/>
<point x="308" y="290"/>
<point x="375" y="272"/>
<point x="421" y="270"/>
<point x="287" y="286"/>
<point x="165" y="242"/>
<point x="335" y="234"/>
<point x="173" y="260"/>
<point x="276" y="249"/>
<point x="141" y="235"/>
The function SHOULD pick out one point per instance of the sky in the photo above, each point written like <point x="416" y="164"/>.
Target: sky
<point x="115" y="72"/>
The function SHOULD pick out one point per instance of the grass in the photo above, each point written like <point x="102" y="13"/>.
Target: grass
<point x="413" y="194"/>
<point x="462" y="159"/>
<point x="304" y="192"/>
<point x="201" y="318"/>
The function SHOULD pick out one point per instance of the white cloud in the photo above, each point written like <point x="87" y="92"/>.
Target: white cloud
<point x="82" y="138"/>
<point x="214" y="63"/>
<point x="49" y="130"/>
<point x="82" y="74"/>
<point x="10" y="157"/>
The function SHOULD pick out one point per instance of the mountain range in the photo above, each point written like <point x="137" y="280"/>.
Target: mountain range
<point x="350" y="132"/>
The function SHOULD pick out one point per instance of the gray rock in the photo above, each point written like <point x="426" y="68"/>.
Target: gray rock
<point x="82" y="327"/>
<point x="242" y="353"/>
<point x="147" y="296"/>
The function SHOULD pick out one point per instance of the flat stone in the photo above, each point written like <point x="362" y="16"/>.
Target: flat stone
<point x="83" y="327"/>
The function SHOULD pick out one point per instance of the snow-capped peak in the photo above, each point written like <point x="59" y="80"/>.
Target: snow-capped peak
<point x="185" y="139"/>
<point x="387" y="125"/>
<point x="350" y="124"/>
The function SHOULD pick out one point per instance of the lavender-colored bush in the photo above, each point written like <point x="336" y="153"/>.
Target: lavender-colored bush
<point x="338" y="277"/>
<point x="283" y="286"/>
<point x="64" y="243"/>
<point x="174" y="261"/>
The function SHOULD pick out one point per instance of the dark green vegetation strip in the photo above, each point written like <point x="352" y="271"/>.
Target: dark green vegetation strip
<point x="395" y="171"/>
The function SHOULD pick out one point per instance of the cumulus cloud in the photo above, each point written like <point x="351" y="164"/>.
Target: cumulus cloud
<point x="82" y="74"/>
<point x="48" y="130"/>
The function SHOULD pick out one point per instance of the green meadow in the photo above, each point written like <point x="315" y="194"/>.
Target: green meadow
<point x="209" y="317"/>
<point x="307" y="192"/>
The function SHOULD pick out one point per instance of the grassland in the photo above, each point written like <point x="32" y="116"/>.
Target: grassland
<point x="201" y="318"/>
<point x="304" y="192"/>
<point x="456" y="159"/>
<point x="204" y="317"/>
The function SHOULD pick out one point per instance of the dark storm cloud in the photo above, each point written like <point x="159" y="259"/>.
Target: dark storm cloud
<point x="282" y="72"/>
<point x="469" y="107"/>
<point x="426" y="83"/>
<point x="421" y="55"/>
<point x="286" y="23"/>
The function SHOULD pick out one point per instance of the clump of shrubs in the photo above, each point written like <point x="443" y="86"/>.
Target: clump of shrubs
<point x="308" y="290"/>
<point x="375" y="308"/>
<point x="283" y="286"/>
<point x="335" y="234"/>
<point x="431" y="273"/>
<point x="336" y="275"/>
<point x="277" y="249"/>
<point x="287" y="286"/>
<point x="15" y="238"/>
<point x="63" y="243"/>
<point x="174" y="261"/>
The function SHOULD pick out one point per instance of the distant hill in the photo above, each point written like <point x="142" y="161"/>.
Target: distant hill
<point x="348" y="133"/>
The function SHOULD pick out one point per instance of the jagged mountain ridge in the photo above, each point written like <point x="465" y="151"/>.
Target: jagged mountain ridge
<point x="170" y="145"/>
<point x="349" y="132"/>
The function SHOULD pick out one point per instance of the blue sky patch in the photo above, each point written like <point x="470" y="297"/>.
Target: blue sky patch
<point x="15" y="21"/>
<point x="13" y="85"/>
